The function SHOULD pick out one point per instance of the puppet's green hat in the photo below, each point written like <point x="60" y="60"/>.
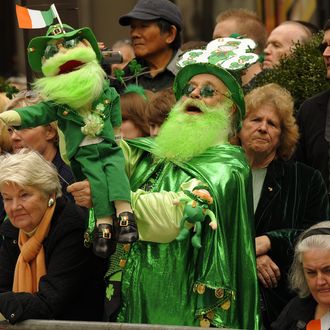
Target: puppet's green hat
<point x="37" y="45"/>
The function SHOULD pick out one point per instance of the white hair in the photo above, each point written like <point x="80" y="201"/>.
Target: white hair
<point x="29" y="168"/>
<point x="306" y="243"/>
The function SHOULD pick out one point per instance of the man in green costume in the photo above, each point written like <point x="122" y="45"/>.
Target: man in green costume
<point x="168" y="281"/>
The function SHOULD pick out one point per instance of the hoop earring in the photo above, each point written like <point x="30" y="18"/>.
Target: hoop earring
<point x="51" y="202"/>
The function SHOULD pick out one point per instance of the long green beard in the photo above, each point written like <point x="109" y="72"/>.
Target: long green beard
<point x="77" y="89"/>
<point x="184" y="136"/>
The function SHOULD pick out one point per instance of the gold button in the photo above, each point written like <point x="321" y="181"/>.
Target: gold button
<point x="226" y="305"/>
<point x="204" y="323"/>
<point x="122" y="263"/>
<point x="200" y="288"/>
<point x="219" y="293"/>
<point x="210" y="315"/>
<point x="126" y="247"/>
<point x="270" y="189"/>
<point x="65" y="113"/>
<point x="106" y="101"/>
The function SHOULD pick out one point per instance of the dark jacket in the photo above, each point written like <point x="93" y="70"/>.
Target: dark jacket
<point x="312" y="148"/>
<point x="293" y="198"/>
<point x="72" y="289"/>
<point x="162" y="80"/>
<point x="65" y="175"/>
<point x="296" y="314"/>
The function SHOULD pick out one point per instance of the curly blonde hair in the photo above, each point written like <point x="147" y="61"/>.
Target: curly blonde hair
<point x="282" y="101"/>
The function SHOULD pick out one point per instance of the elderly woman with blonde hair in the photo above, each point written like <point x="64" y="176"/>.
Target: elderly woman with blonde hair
<point x="310" y="278"/>
<point x="46" y="272"/>
<point x="288" y="196"/>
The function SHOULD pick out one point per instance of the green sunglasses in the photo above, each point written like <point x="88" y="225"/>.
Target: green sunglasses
<point x="205" y="91"/>
<point x="53" y="49"/>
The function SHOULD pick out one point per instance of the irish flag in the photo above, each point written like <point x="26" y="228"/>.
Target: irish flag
<point x="34" y="19"/>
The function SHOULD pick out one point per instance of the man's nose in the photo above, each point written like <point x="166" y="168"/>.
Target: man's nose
<point x="267" y="50"/>
<point x="196" y="93"/>
<point x="134" y="32"/>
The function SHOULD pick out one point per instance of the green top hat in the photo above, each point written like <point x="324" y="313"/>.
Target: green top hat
<point x="38" y="45"/>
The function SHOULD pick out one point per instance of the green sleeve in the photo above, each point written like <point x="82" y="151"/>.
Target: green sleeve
<point x="38" y="114"/>
<point x="158" y="219"/>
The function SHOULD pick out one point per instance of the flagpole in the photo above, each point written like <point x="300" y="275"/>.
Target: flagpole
<point x="54" y="10"/>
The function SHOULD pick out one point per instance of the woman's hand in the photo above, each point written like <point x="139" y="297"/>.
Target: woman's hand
<point x="81" y="192"/>
<point x="268" y="272"/>
<point x="263" y="245"/>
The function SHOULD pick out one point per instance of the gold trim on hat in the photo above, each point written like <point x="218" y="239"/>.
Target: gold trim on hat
<point x="57" y="30"/>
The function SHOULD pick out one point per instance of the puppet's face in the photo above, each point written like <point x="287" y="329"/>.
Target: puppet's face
<point x="65" y="55"/>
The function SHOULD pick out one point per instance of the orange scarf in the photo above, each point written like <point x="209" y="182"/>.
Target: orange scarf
<point x="30" y="264"/>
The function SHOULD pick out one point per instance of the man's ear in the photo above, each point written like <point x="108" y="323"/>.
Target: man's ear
<point x="233" y="110"/>
<point x="171" y="34"/>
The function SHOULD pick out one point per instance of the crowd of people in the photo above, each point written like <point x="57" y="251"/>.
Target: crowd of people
<point x="160" y="192"/>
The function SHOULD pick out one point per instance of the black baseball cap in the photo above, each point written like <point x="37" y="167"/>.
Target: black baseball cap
<point x="148" y="10"/>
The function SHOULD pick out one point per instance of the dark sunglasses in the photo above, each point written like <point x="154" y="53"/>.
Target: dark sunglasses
<point x="53" y="49"/>
<point x="205" y="91"/>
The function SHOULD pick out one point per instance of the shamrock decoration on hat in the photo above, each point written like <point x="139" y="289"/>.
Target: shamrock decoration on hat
<point x="227" y="53"/>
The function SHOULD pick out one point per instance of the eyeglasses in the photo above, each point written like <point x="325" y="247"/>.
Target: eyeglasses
<point x="204" y="91"/>
<point x="53" y="49"/>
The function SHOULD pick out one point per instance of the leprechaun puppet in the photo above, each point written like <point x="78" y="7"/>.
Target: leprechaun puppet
<point x="77" y="95"/>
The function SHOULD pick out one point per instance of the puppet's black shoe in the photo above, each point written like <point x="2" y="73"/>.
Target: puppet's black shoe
<point x="126" y="229"/>
<point x="103" y="245"/>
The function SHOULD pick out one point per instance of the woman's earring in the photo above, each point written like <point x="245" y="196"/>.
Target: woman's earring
<point x="50" y="202"/>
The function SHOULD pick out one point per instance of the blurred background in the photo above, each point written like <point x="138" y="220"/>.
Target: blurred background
<point x="102" y="16"/>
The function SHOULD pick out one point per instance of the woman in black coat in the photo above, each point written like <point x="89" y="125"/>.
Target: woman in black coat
<point x="64" y="281"/>
<point x="288" y="196"/>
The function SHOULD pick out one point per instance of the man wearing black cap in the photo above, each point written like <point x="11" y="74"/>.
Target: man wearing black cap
<point x="155" y="33"/>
